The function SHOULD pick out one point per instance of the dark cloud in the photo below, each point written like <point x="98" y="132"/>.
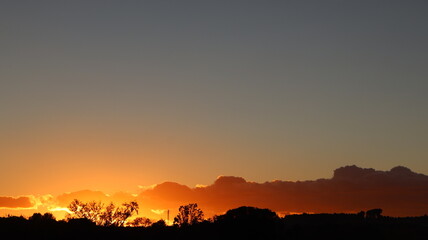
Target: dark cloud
<point x="65" y="199"/>
<point x="83" y="195"/>
<point x="229" y="180"/>
<point x="168" y="195"/>
<point x="400" y="192"/>
<point x="19" y="202"/>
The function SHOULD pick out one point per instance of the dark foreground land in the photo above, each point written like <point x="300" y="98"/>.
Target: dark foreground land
<point x="248" y="223"/>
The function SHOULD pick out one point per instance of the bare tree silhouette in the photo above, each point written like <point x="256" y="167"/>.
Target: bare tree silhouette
<point x="188" y="215"/>
<point x="102" y="216"/>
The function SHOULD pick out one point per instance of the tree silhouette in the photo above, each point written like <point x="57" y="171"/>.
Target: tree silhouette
<point x="159" y="224"/>
<point x="240" y="223"/>
<point x="102" y="216"/>
<point x="248" y="217"/>
<point x="91" y="210"/>
<point x="188" y="215"/>
<point x="374" y="213"/>
<point x="38" y="217"/>
<point x="140" y="222"/>
<point x="248" y="223"/>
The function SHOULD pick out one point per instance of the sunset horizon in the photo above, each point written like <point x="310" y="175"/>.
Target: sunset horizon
<point x="365" y="189"/>
<point x="204" y="112"/>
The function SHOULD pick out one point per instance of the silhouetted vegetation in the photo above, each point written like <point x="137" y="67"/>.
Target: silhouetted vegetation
<point x="101" y="215"/>
<point x="374" y="213"/>
<point x="239" y="223"/>
<point x="140" y="222"/>
<point x="37" y="217"/>
<point x="188" y="215"/>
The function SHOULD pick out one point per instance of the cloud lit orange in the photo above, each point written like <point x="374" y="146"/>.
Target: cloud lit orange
<point x="400" y="192"/>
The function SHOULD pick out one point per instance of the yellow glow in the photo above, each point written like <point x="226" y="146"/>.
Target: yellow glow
<point x="158" y="211"/>
<point x="58" y="209"/>
<point x="147" y="187"/>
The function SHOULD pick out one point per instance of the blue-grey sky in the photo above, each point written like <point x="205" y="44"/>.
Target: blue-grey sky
<point x="114" y="94"/>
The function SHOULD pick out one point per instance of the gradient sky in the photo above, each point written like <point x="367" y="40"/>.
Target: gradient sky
<point x="109" y="95"/>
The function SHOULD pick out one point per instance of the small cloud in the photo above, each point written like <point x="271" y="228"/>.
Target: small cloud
<point x="200" y="186"/>
<point x="83" y="195"/>
<point x="158" y="211"/>
<point x="229" y="180"/>
<point x="41" y="200"/>
<point x="58" y="209"/>
<point x="22" y="202"/>
<point x="147" y="187"/>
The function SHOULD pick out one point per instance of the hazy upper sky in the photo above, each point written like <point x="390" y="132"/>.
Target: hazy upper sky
<point x="110" y="95"/>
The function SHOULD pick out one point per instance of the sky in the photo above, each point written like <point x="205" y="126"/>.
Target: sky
<point x="113" y="95"/>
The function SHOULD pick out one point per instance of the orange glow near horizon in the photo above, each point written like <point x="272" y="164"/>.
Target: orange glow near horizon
<point x="401" y="192"/>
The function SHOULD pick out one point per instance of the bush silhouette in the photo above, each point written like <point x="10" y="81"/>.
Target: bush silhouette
<point x="140" y="222"/>
<point x="248" y="215"/>
<point x="38" y="217"/>
<point x="109" y="215"/>
<point x="188" y="215"/>
<point x="374" y="213"/>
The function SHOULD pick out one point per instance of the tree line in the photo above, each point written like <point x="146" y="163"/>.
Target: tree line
<point x="95" y="220"/>
<point x="190" y="214"/>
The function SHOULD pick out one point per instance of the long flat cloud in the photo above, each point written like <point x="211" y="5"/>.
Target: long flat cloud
<point x="399" y="192"/>
<point x="19" y="202"/>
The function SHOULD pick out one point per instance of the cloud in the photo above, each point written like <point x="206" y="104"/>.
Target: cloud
<point x="229" y="180"/>
<point x="168" y="191"/>
<point x="18" y="202"/>
<point x="158" y="211"/>
<point x="147" y="187"/>
<point x="24" y="202"/>
<point x="59" y="209"/>
<point x="400" y="192"/>
<point x="83" y="195"/>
